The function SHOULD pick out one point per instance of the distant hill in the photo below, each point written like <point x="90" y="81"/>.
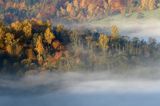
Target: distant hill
<point x="71" y="9"/>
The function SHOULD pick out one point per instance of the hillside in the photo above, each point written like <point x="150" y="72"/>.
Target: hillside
<point x="78" y="10"/>
<point x="31" y="45"/>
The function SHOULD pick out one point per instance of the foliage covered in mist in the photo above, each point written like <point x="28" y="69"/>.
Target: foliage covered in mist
<point x="34" y="44"/>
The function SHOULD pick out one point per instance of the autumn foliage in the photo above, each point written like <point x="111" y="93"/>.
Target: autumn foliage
<point x="71" y="9"/>
<point x="148" y="4"/>
<point x="22" y="41"/>
<point x="59" y="49"/>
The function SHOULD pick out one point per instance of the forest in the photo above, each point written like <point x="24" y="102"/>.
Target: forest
<point x="36" y="44"/>
<point x="72" y="10"/>
<point x="32" y="36"/>
<point x="79" y="52"/>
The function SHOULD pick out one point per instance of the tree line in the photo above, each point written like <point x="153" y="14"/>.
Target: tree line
<point x="78" y="10"/>
<point x="29" y="44"/>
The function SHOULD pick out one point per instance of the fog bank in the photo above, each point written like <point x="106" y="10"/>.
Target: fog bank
<point x="141" y="88"/>
<point x="142" y="28"/>
<point x="142" y="80"/>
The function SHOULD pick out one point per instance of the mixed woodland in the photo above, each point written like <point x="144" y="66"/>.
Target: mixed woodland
<point x="37" y="45"/>
<point x="74" y="10"/>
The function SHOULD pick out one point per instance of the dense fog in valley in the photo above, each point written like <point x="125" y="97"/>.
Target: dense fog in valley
<point x="83" y="89"/>
<point x="101" y="87"/>
<point x="144" y="28"/>
<point x="79" y="53"/>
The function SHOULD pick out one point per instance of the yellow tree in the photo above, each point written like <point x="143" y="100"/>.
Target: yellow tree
<point x="9" y="49"/>
<point x="49" y="36"/>
<point x="106" y="6"/>
<point x="39" y="22"/>
<point x="56" y="45"/>
<point x="144" y="4"/>
<point x="76" y="3"/>
<point x="9" y="39"/>
<point x="30" y="54"/>
<point x="27" y="28"/>
<point x="151" y="4"/>
<point x="103" y="41"/>
<point x="63" y="11"/>
<point x="59" y="28"/>
<point x="40" y="50"/>
<point x="18" y="49"/>
<point x="91" y="8"/>
<point x="39" y="46"/>
<point x="148" y="4"/>
<point x="16" y="26"/>
<point x="69" y="7"/>
<point x="83" y="3"/>
<point x="114" y="32"/>
<point x="1" y="33"/>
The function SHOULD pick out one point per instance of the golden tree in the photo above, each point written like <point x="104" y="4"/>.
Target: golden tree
<point x="63" y="11"/>
<point x="148" y="4"/>
<point x="27" y="28"/>
<point x="1" y="33"/>
<point x="114" y="32"/>
<point x="18" y="49"/>
<point x="76" y="3"/>
<point x="49" y="36"/>
<point x="9" y="49"/>
<point x="144" y="4"/>
<point x="30" y="54"/>
<point x="69" y="7"/>
<point x="151" y="4"/>
<point x="91" y="8"/>
<point x="16" y="26"/>
<point x="39" y="22"/>
<point x="83" y="3"/>
<point x="39" y="46"/>
<point x="57" y="45"/>
<point x="48" y="23"/>
<point x="40" y="50"/>
<point x="89" y="40"/>
<point x="59" y="27"/>
<point x="9" y="40"/>
<point x="103" y="41"/>
<point x="106" y="6"/>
